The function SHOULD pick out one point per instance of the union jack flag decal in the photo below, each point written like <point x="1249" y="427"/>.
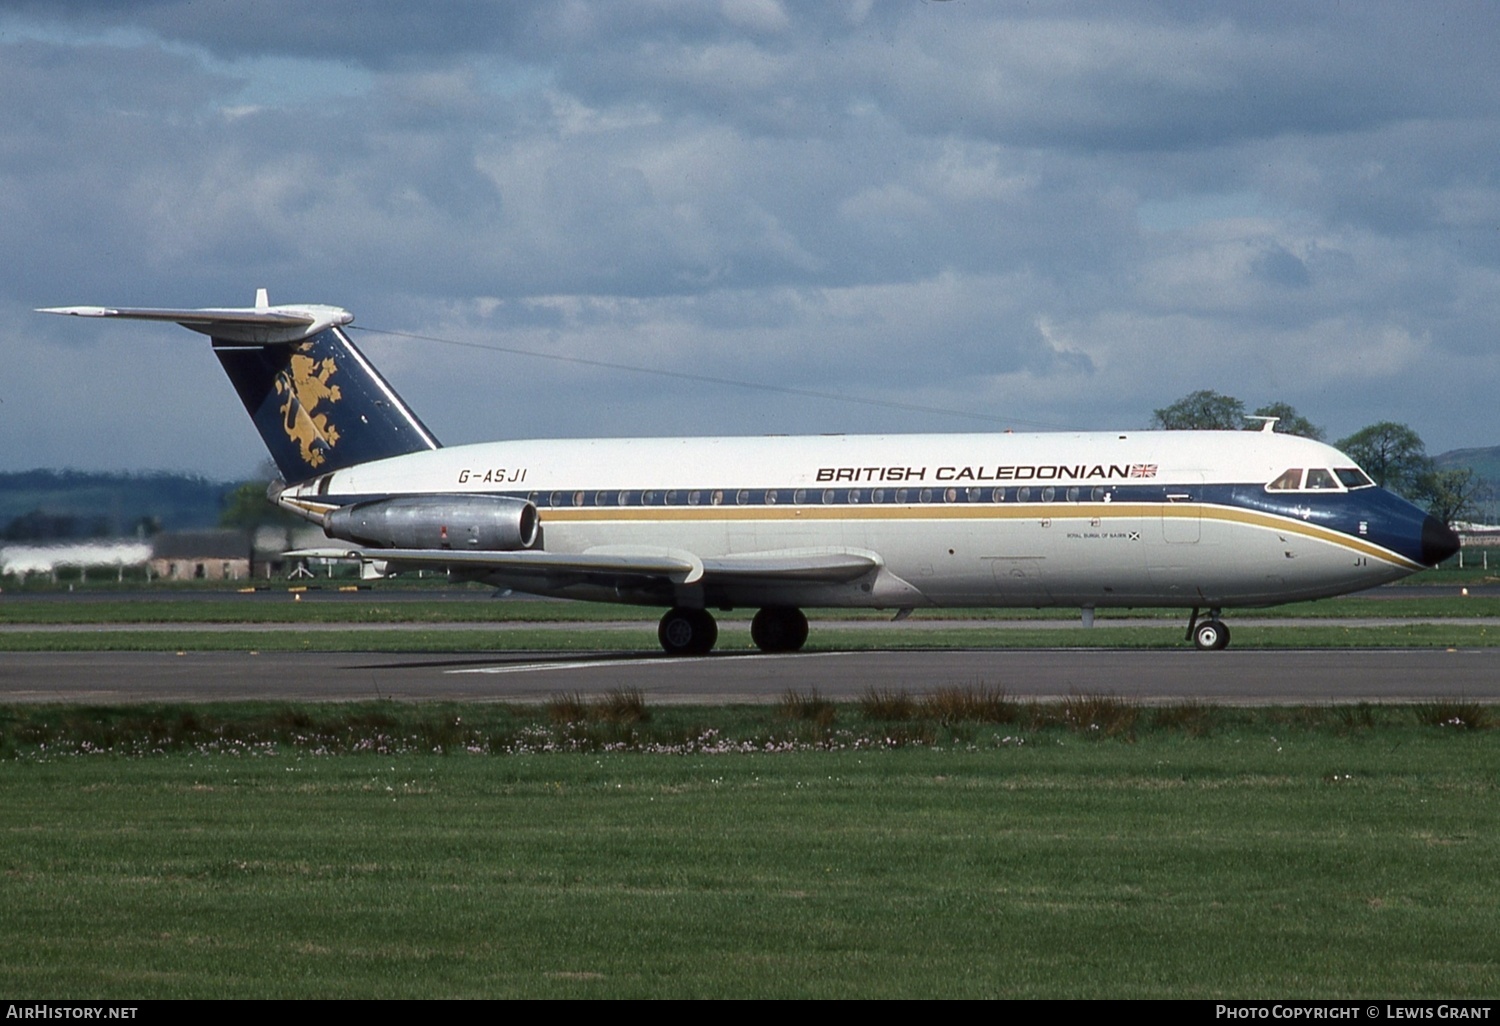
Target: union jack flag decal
<point x="1143" y="470"/>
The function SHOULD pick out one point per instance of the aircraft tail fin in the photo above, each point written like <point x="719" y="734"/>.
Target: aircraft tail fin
<point x="317" y="402"/>
<point x="320" y="405"/>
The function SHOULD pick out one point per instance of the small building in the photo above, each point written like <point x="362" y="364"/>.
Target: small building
<point x="200" y="556"/>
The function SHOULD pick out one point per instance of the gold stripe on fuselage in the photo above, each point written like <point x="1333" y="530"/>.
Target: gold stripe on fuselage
<point x="1102" y="512"/>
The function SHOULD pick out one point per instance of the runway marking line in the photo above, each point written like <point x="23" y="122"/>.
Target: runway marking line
<point x="591" y="664"/>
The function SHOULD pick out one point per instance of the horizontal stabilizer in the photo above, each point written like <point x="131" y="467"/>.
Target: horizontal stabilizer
<point x="258" y="325"/>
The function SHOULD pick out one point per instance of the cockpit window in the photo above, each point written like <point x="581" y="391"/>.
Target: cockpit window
<point x="1318" y="479"/>
<point x="1289" y="481"/>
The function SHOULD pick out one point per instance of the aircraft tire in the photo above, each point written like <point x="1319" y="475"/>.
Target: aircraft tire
<point x="1211" y="636"/>
<point x="779" y="629"/>
<point x="685" y="631"/>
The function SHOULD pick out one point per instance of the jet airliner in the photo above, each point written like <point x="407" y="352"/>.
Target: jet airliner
<point x="1197" y="520"/>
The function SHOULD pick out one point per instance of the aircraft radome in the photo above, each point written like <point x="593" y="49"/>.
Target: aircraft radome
<point x="1197" y="520"/>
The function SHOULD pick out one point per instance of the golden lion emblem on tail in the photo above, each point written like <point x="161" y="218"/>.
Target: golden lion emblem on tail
<point x="305" y="386"/>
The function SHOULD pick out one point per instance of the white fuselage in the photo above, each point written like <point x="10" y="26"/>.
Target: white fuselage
<point x="1178" y="519"/>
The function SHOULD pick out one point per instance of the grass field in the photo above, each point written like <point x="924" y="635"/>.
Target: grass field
<point x="959" y="845"/>
<point x="471" y="620"/>
<point x="476" y="606"/>
<point x="898" y="636"/>
<point x="805" y="850"/>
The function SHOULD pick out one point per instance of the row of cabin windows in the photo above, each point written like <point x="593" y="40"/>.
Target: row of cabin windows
<point x="804" y="496"/>
<point x="1318" y="479"/>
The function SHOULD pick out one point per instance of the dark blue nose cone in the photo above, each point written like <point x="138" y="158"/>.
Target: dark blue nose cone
<point x="1438" y="541"/>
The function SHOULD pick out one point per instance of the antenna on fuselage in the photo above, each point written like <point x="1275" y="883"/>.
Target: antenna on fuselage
<point x="1269" y="424"/>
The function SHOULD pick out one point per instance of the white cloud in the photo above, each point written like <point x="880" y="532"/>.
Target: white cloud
<point x="1070" y="217"/>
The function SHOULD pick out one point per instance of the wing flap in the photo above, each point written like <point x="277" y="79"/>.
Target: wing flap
<point x="828" y="567"/>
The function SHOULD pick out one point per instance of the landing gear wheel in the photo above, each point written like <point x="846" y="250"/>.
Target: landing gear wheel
<point x="1211" y="636"/>
<point x="779" y="629"/>
<point x="687" y="631"/>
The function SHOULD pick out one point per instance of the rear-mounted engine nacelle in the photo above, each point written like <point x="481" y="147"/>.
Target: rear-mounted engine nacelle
<point x="494" y="523"/>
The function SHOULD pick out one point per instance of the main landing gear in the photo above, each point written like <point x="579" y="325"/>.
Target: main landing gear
<point x="685" y="631"/>
<point x="779" y="629"/>
<point x="1209" y="635"/>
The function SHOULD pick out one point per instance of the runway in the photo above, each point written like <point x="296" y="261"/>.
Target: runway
<point x="1234" y="677"/>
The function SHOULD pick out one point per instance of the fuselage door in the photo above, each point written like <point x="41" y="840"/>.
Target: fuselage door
<point x="1181" y="515"/>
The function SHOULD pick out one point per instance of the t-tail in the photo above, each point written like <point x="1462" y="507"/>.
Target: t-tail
<point x="317" y="401"/>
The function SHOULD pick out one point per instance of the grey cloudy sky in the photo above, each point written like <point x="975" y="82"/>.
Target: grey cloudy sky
<point x="1052" y="215"/>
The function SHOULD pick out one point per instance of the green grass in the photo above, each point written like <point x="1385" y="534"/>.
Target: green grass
<point x="477" y="606"/>
<point x="736" y="638"/>
<point x="188" y="621"/>
<point x="1193" y="853"/>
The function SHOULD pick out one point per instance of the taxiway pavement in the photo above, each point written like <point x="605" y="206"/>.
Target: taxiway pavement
<point x="1232" y="677"/>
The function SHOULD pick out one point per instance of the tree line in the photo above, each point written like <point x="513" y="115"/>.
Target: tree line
<point x="1392" y="454"/>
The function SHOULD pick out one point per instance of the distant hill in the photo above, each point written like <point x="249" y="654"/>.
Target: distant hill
<point x="1484" y="462"/>
<point x="1486" y="466"/>
<point x="58" y="504"/>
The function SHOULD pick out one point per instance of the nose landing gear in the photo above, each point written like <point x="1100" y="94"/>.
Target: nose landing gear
<point x="1209" y="635"/>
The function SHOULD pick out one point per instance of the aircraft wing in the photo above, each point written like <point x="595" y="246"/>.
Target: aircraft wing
<point x="611" y="564"/>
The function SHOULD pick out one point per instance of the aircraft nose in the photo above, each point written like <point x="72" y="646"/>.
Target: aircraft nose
<point x="1439" y="541"/>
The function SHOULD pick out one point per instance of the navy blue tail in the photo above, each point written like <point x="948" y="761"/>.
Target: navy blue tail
<point x="319" y="405"/>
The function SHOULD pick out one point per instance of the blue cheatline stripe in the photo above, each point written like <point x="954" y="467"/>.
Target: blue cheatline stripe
<point x="1340" y="518"/>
